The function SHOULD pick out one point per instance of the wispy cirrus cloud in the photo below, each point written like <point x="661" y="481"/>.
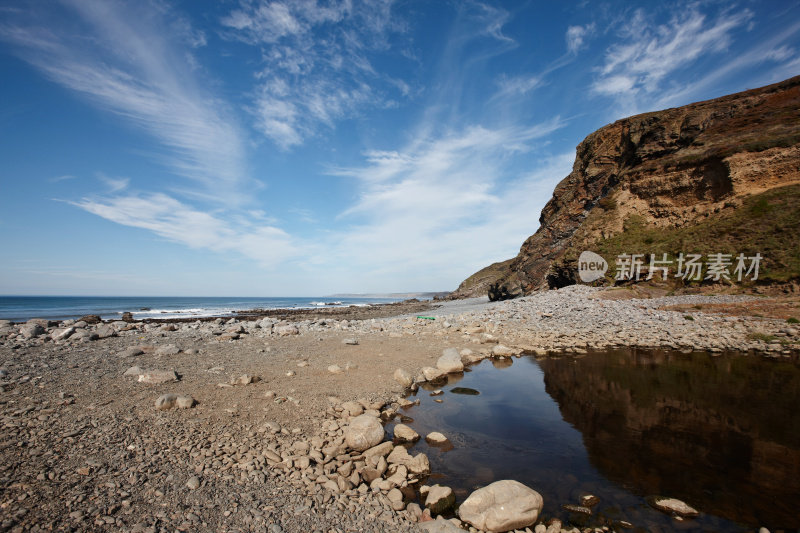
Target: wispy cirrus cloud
<point x="426" y="207"/>
<point x="133" y="60"/>
<point x="649" y="53"/>
<point x="576" y="37"/>
<point x="317" y="62"/>
<point x="251" y="235"/>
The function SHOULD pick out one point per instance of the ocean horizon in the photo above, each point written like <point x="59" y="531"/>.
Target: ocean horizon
<point x="22" y="308"/>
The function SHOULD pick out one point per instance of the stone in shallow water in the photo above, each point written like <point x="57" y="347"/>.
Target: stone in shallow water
<point x="672" y="506"/>
<point x="502" y="506"/>
<point x="439" y="499"/>
<point x="403" y="433"/>
<point x="464" y="390"/>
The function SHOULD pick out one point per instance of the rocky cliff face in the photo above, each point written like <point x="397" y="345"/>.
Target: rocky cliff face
<point x="669" y="169"/>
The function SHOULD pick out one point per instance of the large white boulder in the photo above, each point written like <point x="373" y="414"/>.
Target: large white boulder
<point x="502" y="506"/>
<point x="364" y="432"/>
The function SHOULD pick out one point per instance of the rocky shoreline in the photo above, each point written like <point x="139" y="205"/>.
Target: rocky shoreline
<point x="260" y="433"/>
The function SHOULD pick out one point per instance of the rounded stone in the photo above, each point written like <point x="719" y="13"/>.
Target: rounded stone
<point x="364" y="432"/>
<point x="502" y="506"/>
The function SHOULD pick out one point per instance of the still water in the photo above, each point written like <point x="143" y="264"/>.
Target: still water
<point x="721" y="433"/>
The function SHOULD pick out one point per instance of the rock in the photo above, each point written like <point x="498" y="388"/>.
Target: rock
<point x="127" y="316"/>
<point x="105" y="331"/>
<point x="90" y="319"/>
<point x="450" y="361"/>
<point x="414" y="512"/>
<point x="167" y="349"/>
<point x="417" y="465"/>
<point x="352" y="408"/>
<point x="133" y="371"/>
<point x="435" y="438"/>
<point x="403" y="433"/>
<point x="440" y="525"/>
<point x="193" y="483"/>
<point x="61" y="334"/>
<point x="156" y="377"/>
<point x="396" y="499"/>
<point x="500" y="350"/>
<point x="179" y="401"/>
<point x="286" y="330"/>
<point x="502" y="506"/>
<point x="403" y="378"/>
<point x="335" y="369"/>
<point x="381" y="450"/>
<point x="440" y="499"/>
<point x="433" y="374"/>
<point x="131" y="351"/>
<point x="351" y="342"/>
<point x="672" y="506"/>
<point x="363" y="432"/>
<point x="31" y="330"/>
<point x="468" y="356"/>
<point x="245" y="379"/>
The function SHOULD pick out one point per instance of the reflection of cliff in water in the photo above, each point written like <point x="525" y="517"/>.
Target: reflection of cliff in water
<point x="723" y="433"/>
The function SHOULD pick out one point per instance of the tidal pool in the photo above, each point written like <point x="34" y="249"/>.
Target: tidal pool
<point x="720" y="432"/>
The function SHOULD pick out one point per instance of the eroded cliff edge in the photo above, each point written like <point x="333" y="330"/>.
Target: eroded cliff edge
<point x="672" y="177"/>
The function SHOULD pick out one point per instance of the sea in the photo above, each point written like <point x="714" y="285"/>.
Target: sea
<point x="22" y="308"/>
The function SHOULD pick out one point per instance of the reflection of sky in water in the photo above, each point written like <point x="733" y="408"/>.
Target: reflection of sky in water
<point x="515" y="430"/>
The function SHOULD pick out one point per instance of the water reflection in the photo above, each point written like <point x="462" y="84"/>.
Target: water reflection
<point x="722" y="433"/>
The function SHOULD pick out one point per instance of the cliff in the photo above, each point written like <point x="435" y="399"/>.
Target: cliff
<point x="672" y="181"/>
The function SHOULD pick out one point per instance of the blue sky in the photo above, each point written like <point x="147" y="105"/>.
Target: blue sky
<point x="250" y="147"/>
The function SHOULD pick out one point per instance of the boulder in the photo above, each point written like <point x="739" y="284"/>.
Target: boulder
<point x="179" y="401"/>
<point x="450" y="361"/>
<point x="435" y="438"/>
<point x="503" y="351"/>
<point x="403" y="378"/>
<point x="105" y="331"/>
<point x="502" y="506"/>
<point x="417" y="465"/>
<point x="672" y="506"/>
<point x="167" y="349"/>
<point x="352" y="408"/>
<point x="363" y="432"/>
<point x="61" y="334"/>
<point x="156" y="377"/>
<point x="403" y="433"/>
<point x="31" y="330"/>
<point x="440" y="499"/>
<point x="287" y="330"/>
<point x="245" y="379"/>
<point x="131" y="351"/>
<point x="90" y="319"/>
<point x="433" y="374"/>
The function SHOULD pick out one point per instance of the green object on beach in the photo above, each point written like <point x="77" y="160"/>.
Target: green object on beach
<point x="427" y="317"/>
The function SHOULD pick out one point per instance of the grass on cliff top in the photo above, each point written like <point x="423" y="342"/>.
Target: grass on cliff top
<point x="767" y="223"/>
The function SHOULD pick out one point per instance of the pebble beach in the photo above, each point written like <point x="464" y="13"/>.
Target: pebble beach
<point x="269" y="424"/>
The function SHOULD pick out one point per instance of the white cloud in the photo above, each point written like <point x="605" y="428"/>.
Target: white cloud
<point x="444" y="206"/>
<point x="650" y="53"/>
<point x="250" y="236"/>
<point x="576" y="35"/>
<point x="317" y="67"/>
<point x="121" y="58"/>
<point x="113" y="184"/>
<point x="517" y="86"/>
